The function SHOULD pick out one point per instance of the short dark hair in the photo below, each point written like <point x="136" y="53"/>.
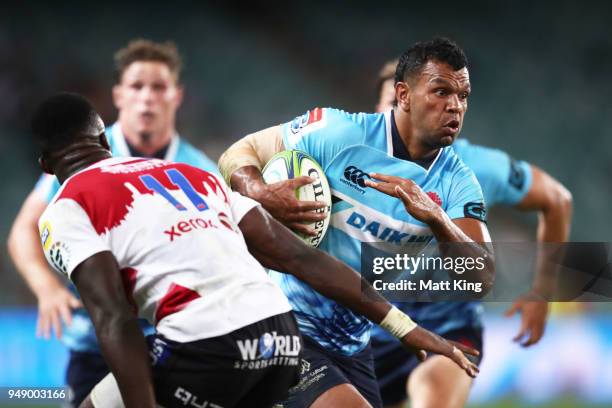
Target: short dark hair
<point x="146" y="50"/>
<point x="59" y="119"/>
<point x="438" y="49"/>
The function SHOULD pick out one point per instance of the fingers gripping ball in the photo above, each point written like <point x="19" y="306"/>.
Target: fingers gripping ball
<point x="292" y="164"/>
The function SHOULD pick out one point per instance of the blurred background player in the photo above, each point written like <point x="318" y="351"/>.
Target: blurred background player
<point x="411" y="142"/>
<point x="147" y="94"/>
<point x="504" y="181"/>
<point x="171" y="243"/>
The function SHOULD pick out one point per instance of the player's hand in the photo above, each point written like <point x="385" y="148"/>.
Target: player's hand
<point x="421" y="341"/>
<point x="55" y="304"/>
<point x="417" y="203"/>
<point x="280" y="201"/>
<point x="534" y="312"/>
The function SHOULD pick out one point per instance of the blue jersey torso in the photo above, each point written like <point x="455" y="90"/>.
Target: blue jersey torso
<point x="80" y="335"/>
<point x="348" y="146"/>
<point x="504" y="181"/>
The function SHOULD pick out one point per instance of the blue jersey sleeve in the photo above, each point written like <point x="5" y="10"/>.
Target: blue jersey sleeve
<point x="323" y="132"/>
<point x="465" y="197"/>
<point x="503" y="179"/>
<point x="47" y="186"/>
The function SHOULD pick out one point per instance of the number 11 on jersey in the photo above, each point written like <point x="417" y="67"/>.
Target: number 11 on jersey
<point x="180" y="181"/>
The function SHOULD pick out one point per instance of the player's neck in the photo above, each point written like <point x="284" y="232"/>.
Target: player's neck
<point x="417" y="150"/>
<point x="148" y="144"/>
<point x="78" y="159"/>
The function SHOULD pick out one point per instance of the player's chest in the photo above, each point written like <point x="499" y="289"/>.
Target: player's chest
<point x="367" y="213"/>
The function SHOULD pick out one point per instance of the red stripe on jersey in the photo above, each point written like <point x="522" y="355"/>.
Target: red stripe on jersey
<point x="174" y="300"/>
<point x="106" y="199"/>
<point x="225" y="220"/>
<point x="128" y="276"/>
<point x="315" y="115"/>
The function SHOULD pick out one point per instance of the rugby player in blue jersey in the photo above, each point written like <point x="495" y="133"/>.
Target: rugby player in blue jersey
<point x="393" y="179"/>
<point x="504" y="181"/>
<point x="147" y="94"/>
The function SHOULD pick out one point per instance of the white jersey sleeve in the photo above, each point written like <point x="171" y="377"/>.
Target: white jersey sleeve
<point x="67" y="236"/>
<point x="241" y="205"/>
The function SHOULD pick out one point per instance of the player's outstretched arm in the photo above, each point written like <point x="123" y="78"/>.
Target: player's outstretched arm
<point x="471" y="233"/>
<point x="241" y="167"/>
<point x="122" y="343"/>
<point x="553" y="202"/>
<point x="274" y="246"/>
<point x="55" y="302"/>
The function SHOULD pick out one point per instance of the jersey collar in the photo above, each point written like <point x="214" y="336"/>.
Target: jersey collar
<point x="397" y="149"/>
<point x="122" y="149"/>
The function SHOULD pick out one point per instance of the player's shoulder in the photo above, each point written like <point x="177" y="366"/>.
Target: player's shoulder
<point x="461" y="145"/>
<point x="361" y="119"/>
<point x="451" y="162"/>
<point x="335" y="124"/>
<point x="191" y="155"/>
<point x="90" y="179"/>
<point x="329" y="118"/>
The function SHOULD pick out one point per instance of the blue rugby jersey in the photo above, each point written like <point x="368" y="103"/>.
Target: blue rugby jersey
<point x="348" y="146"/>
<point x="504" y="181"/>
<point x="80" y="335"/>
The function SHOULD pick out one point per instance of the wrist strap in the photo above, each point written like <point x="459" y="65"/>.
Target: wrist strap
<point x="397" y="323"/>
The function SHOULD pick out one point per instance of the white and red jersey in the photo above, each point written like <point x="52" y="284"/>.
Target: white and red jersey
<point x="173" y="230"/>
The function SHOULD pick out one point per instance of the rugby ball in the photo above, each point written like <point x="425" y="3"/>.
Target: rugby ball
<point x="294" y="163"/>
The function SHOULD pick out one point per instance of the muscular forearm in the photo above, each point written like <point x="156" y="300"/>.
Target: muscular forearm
<point x="343" y="284"/>
<point x="553" y="227"/>
<point x="248" y="181"/>
<point x="554" y="205"/>
<point x="275" y="247"/>
<point x="444" y="230"/>
<point x="120" y="337"/>
<point x="453" y="242"/>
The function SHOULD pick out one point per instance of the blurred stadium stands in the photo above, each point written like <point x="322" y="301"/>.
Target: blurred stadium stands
<point x="541" y="89"/>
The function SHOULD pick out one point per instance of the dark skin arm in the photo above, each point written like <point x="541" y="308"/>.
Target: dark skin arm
<point x="276" y="247"/>
<point x="472" y="233"/>
<point x="122" y="343"/>
<point x="553" y="202"/>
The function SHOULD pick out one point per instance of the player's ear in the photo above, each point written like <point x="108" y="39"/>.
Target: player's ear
<point x="402" y="96"/>
<point x="104" y="141"/>
<point x="44" y="165"/>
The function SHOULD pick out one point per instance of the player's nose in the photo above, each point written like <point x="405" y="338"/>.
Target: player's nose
<point x="146" y="93"/>
<point x="453" y="104"/>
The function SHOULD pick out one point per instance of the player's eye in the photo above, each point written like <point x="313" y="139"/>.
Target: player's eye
<point x="441" y="92"/>
<point x="159" y="87"/>
<point x="464" y="95"/>
<point x="136" y="85"/>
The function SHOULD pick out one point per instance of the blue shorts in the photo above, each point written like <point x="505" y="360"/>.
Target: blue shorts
<point x="322" y="369"/>
<point x="394" y="363"/>
<point x="85" y="370"/>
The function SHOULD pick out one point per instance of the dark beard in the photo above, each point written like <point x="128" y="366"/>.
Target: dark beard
<point x="145" y="138"/>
